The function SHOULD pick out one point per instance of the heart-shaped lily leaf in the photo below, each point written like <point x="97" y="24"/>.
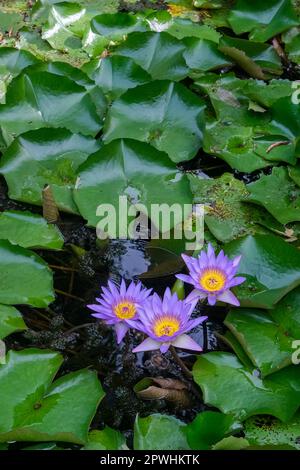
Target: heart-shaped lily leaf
<point x="25" y="278"/>
<point x="268" y="343"/>
<point x="116" y="74"/>
<point x="164" y="114"/>
<point x="202" y="55"/>
<point x="263" y="20"/>
<point x="208" y="428"/>
<point x="40" y="99"/>
<point x="271" y="267"/>
<point x="11" y="321"/>
<point x="115" y="26"/>
<point x="12" y="62"/>
<point x="36" y="410"/>
<point x="264" y="192"/>
<point x="29" y="231"/>
<point x="236" y="390"/>
<point x="160" y="54"/>
<point x="65" y="25"/>
<point x="159" y="432"/>
<point x="45" y="156"/>
<point x="132" y="169"/>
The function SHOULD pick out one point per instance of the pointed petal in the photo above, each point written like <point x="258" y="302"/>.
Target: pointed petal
<point x="121" y="330"/>
<point x="185" y="278"/>
<point x="236" y="260"/>
<point x="229" y="298"/>
<point x="195" y="294"/>
<point x="211" y="299"/>
<point x="237" y="281"/>
<point x="164" y="347"/>
<point x="186" y="342"/>
<point x="147" y="345"/>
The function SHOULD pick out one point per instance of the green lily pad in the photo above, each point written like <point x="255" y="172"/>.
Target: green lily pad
<point x="66" y="24"/>
<point x="286" y="313"/>
<point x="132" y="169"/>
<point x="31" y="41"/>
<point x="182" y="28"/>
<point x="264" y="192"/>
<point x="236" y="390"/>
<point x="12" y="62"/>
<point x="25" y="279"/>
<point x="228" y="100"/>
<point x="46" y="156"/>
<point x="263" y="20"/>
<point x="36" y="410"/>
<point x="36" y="100"/>
<point x="227" y="215"/>
<point x="230" y="340"/>
<point x="231" y="443"/>
<point x="29" y="231"/>
<point x="160" y="54"/>
<point x="65" y="70"/>
<point x="271" y="267"/>
<point x="202" y="55"/>
<point x="159" y="432"/>
<point x="268" y="343"/>
<point x="164" y="114"/>
<point x="116" y="74"/>
<point x="107" y="439"/>
<point x="267" y="431"/>
<point x="210" y="427"/>
<point x="11" y="321"/>
<point x="235" y="144"/>
<point x="116" y="25"/>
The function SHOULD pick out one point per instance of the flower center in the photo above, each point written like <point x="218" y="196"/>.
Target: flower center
<point x="212" y="280"/>
<point x="166" y="326"/>
<point x="125" y="310"/>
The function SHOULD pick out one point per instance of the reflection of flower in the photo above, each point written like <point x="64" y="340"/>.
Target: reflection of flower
<point x="165" y="322"/>
<point x="212" y="276"/>
<point x="117" y="305"/>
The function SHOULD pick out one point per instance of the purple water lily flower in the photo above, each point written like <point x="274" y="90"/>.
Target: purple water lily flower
<point x="212" y="276"/>
<point x="118" y="305"/>
<point x="166" y="322"/>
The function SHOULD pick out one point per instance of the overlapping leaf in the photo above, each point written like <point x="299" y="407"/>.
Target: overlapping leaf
<point x="29" y="230"/>
<point x="25" y="279"/>
<point x="11" y="321"/>
<point x="36" y="100"/>
<point x="164" y="114"/>
<point x="36" y="410"/>
<point x="45" y="156"/>
<point x="271" y="266"/>
<point x="236" y="390"/>
<point x="132" y="169"/>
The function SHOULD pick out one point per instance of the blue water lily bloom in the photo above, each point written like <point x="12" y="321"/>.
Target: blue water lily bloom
<point x="166" y="321"/>
<point x="119" y="304"/>
<point x="212" y="276"/>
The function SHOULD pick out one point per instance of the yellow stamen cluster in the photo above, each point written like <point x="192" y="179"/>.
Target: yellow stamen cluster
<point x="125" y="310"/>
<point x="212" y="280"/>
<point x="166" y="326"/>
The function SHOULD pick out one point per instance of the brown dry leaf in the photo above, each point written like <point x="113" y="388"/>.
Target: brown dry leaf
<point x="159" y="388"/>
